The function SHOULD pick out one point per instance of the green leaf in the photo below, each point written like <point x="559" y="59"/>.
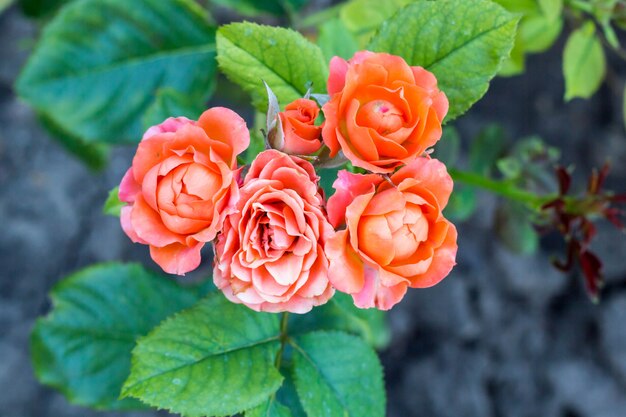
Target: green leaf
<point x="462" y="203"/>
<point x="515" y="64"/>
<point x="41" y="8"/>
<point x="584" y="63"/>
<point x="610" y="35"/>
<point x="486" y="149"/>
<point x="515" y="229"/>
<point x="270" y="408"/>
<point x="287" y="393"/>
<point x="363" y="17"/>
<point x="5" y="4"/>
<point x="327" y="179"/>
<point x="449" y="147"/>
<point x="532" y="150"/>
<point x="216" y="358"/>
<point x="99" y="64"/>
<point x="510" y="167"/>
<point x="340" y="313"/>
<point x="316" y="18"/>
<point x="171" y="103"/>
<point x="255" y="7"/>
<point x="538" y="29"/>
<point x="338" y="375"/>
<point x="519" y="6"/>
<point x="83" y="346"/>
<point x="113" y="205"/>
<point x="336" y="40"/>
<point x="538" y="33"/>
<point x="249" y="54"/>
<point x="551" y="9"/>
<point x="94" y="155"/>
<point x="463" y="43"/>
<point x="257" y="141"/>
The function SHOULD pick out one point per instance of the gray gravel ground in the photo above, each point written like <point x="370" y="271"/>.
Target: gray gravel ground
<point x="503" y="336"/>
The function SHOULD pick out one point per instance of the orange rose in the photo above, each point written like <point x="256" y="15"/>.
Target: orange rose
<point x="301" y="136"/>
<point x="270" y="254"/>
<point x="182" y="184"/>
<point x="395" y="236"/>
<point x="382" y="112"/>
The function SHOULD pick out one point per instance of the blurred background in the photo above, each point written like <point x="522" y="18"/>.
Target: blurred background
<point x="504" y="335"/>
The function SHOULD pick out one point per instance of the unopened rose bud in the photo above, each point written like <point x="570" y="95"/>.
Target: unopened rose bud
<point x="300" y="135"/>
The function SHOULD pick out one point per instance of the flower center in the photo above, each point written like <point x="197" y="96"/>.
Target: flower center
<point x="381" y="116"/>
<point x="411" y="234"/>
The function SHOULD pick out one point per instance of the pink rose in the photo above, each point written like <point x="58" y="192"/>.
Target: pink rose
<point x="182" y="184"/>
<point x="395" y="237"/>
<point x="270" y="254"/>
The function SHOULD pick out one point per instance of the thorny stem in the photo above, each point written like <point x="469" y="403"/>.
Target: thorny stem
<point x="283" y="338"/>
<point x="502" y="188"/>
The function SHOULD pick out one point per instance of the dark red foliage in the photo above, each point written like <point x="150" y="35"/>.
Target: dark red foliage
<point x="571" y="217"/>
<point x="564" y="178"/>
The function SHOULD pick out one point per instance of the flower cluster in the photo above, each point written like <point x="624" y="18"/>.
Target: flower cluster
<point x="279" y="243"/>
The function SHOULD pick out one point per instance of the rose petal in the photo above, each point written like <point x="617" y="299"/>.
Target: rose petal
<point x="337" y="74"/>
<point x="443" y="261"/>
<point x="127" y="225"/>
<point x="348" y="186"/>
<point x="149" y="227"/>
<point x="128" y="187"/>
<point x="346" y="269"/>
<point x="226" y="126"/>
<point x="171" y="124"/>
<point x="330" y="129"/>
<point x="431" y="174"/>
<point x="285" y="270"/>
<point x="374" y="295"/>
<point x="375" y="239"/>
<point x="176" y="258"/>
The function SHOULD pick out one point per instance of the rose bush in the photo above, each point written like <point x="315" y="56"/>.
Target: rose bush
<point x="182" y="184"/>
<point x="276" y="249"/>
<point x="395" y="236"/>
<point x="270" y="255"/>
<point x="382" y="112"/>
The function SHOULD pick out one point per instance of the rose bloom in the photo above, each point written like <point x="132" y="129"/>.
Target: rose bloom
<point x="301" y="136"/>
<point x="182" y="184"/>
<point x="382" y="112"/>
<point x="395" y="235"/>
<point x="270" y="254"/>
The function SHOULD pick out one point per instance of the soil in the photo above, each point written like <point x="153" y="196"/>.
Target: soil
<point x="503" y="336"/>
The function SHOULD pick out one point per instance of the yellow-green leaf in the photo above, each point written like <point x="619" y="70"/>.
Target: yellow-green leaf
<point x="584" y="63"/>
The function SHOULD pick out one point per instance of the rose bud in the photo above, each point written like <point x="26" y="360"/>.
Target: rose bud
<point x="395" y="236"/>
<point x="301" y="136"/>
<point x="270" y="254"/>
<point x="182" y="184"/>
<point x="293" y="131"/>
<point x="382" y="112"/>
